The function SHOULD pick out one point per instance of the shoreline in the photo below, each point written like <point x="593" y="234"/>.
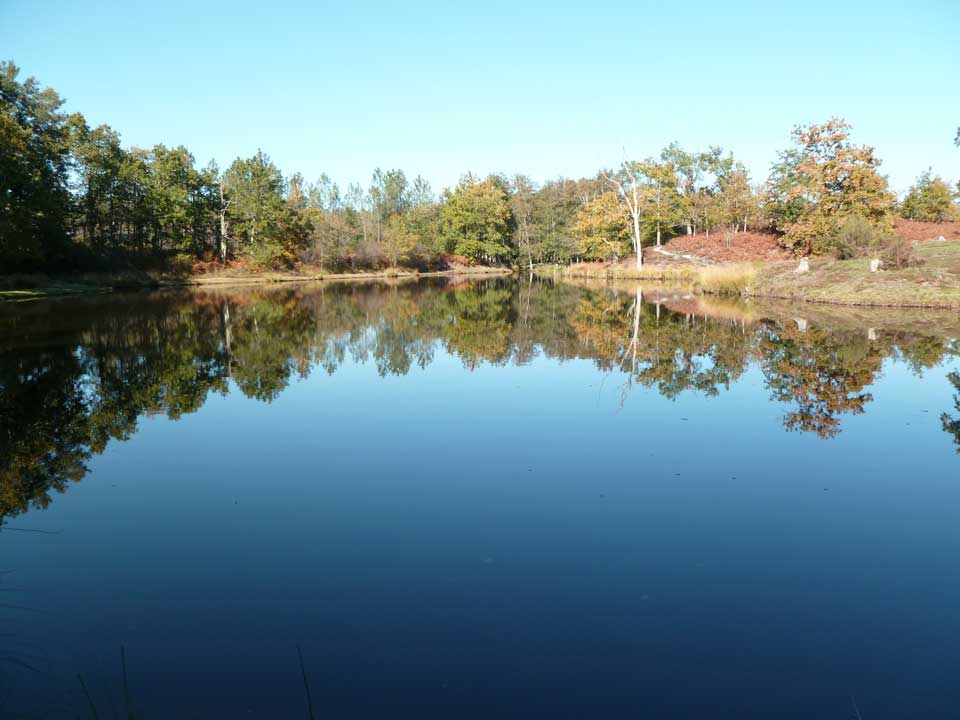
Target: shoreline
<point x="932" y="284"/>
<point x="932" y="281"/>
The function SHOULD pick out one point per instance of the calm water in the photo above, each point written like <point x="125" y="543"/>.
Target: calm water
<point x="495" y="499"/>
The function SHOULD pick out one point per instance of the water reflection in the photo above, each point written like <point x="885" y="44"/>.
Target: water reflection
<point x="76" y="374"/>
<point x="952" y="424"/>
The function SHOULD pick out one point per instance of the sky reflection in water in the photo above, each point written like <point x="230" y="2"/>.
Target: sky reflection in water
<point x="476" y="499"/>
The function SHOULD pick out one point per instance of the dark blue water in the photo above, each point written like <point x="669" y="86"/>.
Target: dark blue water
<point x="476" y="500"/>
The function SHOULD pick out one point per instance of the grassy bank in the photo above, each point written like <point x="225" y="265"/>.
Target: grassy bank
<point x="727" y="279"/>
<point x="38" y="286"/>
<point x="933" y="282"/>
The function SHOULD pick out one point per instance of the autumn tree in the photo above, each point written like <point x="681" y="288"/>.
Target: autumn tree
<point x="602" y="228"/>
<point x="820" y="182"/>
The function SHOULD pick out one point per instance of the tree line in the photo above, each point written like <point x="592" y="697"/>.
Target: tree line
<point x="73" y="197"/>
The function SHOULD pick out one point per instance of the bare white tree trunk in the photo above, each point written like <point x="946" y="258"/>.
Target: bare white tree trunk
<point x="636" y="241"/>
<point x="630" y="195"/>
<point x="224" y="227"/>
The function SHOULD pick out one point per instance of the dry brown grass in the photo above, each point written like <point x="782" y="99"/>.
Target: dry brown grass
<point x="729" y="278"/>
<point x="918" y="230"/>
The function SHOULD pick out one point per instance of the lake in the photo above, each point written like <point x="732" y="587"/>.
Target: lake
<point x="475" y="499"/>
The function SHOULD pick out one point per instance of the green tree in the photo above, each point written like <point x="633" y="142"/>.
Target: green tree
<point x="34" y="196"/>
<point x="661" y="202"/>
<point x="388" y="196"/>
<point x="263" y="225"/>
<point x="689" y="171"/>
<point x="398" y="240"/>
<point x="475" y="220"/>
<point x="931" y="199"/>
<point x="553" y="213"/>
<point x="737" y="201"/>
<point x="183" y="199"/>
<point x="98" y="157"/>
<point x="526" y="240"/>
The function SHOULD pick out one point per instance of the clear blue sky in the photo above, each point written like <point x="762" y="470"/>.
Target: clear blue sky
<point x="544" y="88"/>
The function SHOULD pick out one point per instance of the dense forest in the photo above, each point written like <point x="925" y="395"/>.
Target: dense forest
<point x="110" y="364"/>
<point x="72" y="197"/>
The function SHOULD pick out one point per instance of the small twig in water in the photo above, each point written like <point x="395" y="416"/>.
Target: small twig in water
<point x="31" y="530"/>
<point x="126" y="690"/>
<point x="19" y="607"/>
<point x="306" y="685"/>
<point x="86" y="693"/>
<point x="113" y="706"/>
<point x="21" y="663"/>
<point x="855" y="708"/>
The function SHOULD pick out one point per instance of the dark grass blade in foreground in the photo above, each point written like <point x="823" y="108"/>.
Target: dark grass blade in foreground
<point x="86" y="694"/>
<point x="306" y="685"/>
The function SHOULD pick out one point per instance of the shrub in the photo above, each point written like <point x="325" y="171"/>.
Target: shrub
<point x="858" y="237"/>
<point x="266" y="256"/>
<point x="895" y="252"/>
<point x="855" y="237"/>
<point x="182" y="263"/>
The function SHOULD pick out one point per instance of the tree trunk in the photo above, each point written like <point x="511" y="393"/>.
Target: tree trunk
<point x="636" y="241"/>
<point x="223" y="227"/>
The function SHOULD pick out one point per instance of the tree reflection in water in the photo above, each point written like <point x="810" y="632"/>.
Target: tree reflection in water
<point x="75" y="374"/>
